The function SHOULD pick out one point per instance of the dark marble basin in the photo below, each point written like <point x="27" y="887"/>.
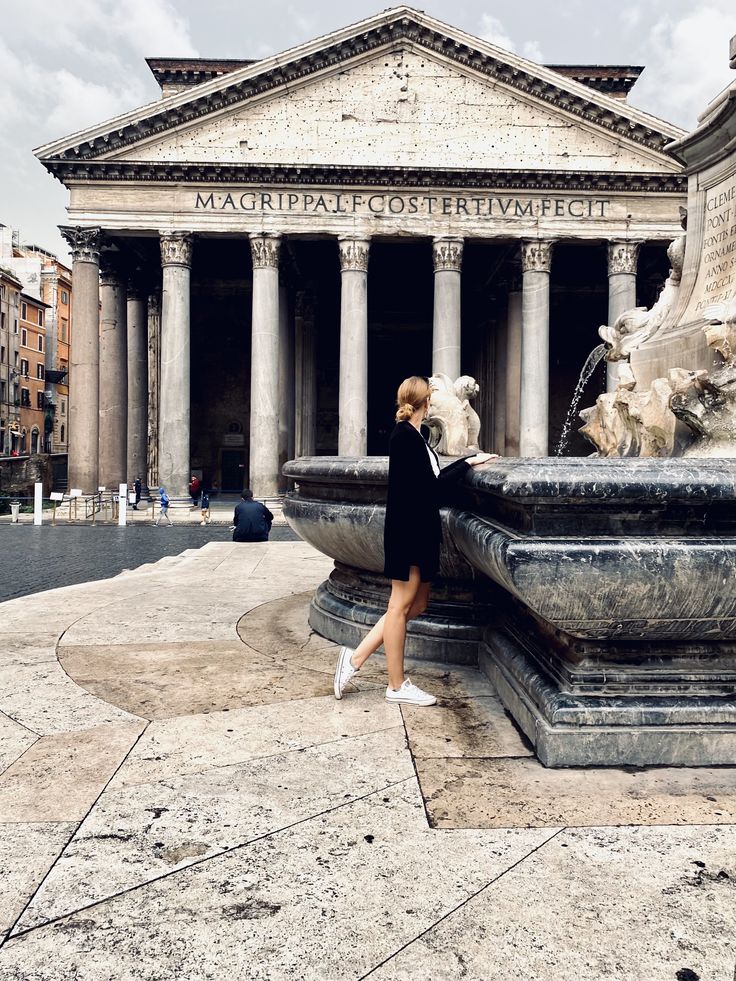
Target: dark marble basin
<point x="598" y="594"/>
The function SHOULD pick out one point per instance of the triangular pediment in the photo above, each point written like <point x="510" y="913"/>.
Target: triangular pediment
<point x="398" y="90"/>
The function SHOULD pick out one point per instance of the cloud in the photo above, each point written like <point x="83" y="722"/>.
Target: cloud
<point x="493" y="31"/>
<point x="532" y="51"/>
<point x="687" y="62"/>
<point x="64" y="67"/>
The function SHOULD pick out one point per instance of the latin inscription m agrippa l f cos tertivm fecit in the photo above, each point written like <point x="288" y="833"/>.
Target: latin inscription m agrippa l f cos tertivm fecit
<point x="392" y="204"/>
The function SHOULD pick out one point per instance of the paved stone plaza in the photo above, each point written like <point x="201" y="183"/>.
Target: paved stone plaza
<point x="182" y="796"/>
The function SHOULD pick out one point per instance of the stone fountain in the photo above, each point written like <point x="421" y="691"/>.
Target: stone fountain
<point x="598" y="594"/>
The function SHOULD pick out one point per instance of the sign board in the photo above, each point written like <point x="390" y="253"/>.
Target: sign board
<point x="57" y="496"/>
<point x="75" y="492"/>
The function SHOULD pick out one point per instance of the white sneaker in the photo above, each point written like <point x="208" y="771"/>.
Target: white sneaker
<point x="344" y="670"/>
<point x="409" y="694"/>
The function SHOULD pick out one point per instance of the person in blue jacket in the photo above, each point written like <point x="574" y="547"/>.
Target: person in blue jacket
<point x="417" y="487"/>
<point x="252" y="520"/>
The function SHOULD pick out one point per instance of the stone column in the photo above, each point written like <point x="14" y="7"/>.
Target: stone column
<point x="306" y="376"/>
<point x="173" y="438"/>
<point x="286" y="381"/>
<point x="137" y="384"/>
<point x="622" y="261"/>
<point x="352" y="437"/>
<point x="264" y="371"/>
<point x="113" y="374"/>
<point x="536" y="257"/>
<point x="500" y="373"/>
<point x="447" y="254"/>
<point x="513" y="371"/>
<point x="84" y="360"/>
<point x="154" y="386"/>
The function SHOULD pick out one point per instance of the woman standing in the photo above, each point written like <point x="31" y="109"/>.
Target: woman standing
<point x="411" y="541"/>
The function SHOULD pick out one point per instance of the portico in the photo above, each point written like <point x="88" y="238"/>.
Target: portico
<point x="441" y="228"/>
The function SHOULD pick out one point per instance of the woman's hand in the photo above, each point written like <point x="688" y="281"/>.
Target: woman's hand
<point x="479" y="458"/>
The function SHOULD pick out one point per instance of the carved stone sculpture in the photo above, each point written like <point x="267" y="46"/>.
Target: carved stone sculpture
<point x="631" y="423"/>
<point x="453" y="423"/>
<point x="635" y="326"/>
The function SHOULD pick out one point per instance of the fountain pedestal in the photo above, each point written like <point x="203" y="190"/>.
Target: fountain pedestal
<point x="598" y="595"/>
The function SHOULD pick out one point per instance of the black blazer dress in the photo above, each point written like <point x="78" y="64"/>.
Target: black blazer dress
<point x="412" y="532"/>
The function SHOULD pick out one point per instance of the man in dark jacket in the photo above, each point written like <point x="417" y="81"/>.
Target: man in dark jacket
<point x="252" y="520"/>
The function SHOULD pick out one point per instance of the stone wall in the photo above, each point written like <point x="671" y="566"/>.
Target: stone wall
<point x="19" y="474"/>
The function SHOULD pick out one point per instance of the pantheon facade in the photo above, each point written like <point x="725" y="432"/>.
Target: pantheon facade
<point x="263" y="254"/>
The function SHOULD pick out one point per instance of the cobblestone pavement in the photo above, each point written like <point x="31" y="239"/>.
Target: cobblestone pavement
<point x="33" y="559"/>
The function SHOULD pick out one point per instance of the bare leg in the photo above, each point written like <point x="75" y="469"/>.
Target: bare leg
<point x="374" y="638"/>
<point x="400" y="603"/>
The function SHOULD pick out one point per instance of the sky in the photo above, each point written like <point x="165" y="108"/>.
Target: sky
<point x="65" y="66"/>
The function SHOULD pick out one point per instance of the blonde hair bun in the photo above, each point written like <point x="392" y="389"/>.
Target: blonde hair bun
<point x="412" y="394"/>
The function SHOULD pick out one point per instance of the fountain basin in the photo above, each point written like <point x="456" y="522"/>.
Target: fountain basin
<point x="599" y="595"/>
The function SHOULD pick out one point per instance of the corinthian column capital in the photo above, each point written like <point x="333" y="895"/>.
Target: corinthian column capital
<point x="354" y="254"/>
<point x="264" y="250"/>
<point x="447" y="253"/>
<point x="536" y="255"/>
<point x="622" y="257"/>
<point x="85" y="243"/>
<point x="176" y="248"/>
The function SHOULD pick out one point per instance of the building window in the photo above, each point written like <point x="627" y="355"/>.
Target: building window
<point x="39" y="400"/>
<point x="15" y="329"/>
<point x="34" y="441"/>
<point x="24" y="366"/>
<point x="2" y="320"/>
<point x="40" y="371"/>
<point x="63" y="407"/>
<point x="64" y="330"/>
<point x="40" y="318"/>
<point x="3" y="394"/>
<point x="23" y="441"/>
<point x="25" y="397"/>
<point x="61" y="434"/>
<point x="2" y="355"/>
<point x="64" y="296"/>
<point x="24" y="337"/>
<point x="40" y="342"/>
<point x="24" y="311"/>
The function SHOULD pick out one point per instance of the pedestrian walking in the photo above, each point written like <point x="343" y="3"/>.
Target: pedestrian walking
<point x="412" y="537"/>
<point x="195" y="485"/>
<point x="137" y="488"/>
<point x="164" y="513"/>
<point x="252" y="520"/>
<point x="205" y="506"/>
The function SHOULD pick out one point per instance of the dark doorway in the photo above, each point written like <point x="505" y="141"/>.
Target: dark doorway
<point x="233" y="470"/>
<point x="578" y="307"/>
<point x="400" y="298"/>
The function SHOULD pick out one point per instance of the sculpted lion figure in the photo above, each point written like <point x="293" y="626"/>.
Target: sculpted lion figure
<point x="453" y="423"/>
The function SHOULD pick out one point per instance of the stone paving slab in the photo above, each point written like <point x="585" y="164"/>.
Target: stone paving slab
<point x="327" y="899"/>
<point x="27" y="852"/>
<point x="60" y="777"/>
<point x="14" y="741"/>
<point x="646" y="904"/>
<point x="504" y="793"/>
<point x="257" y="828"/>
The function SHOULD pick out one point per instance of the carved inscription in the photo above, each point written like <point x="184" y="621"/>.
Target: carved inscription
<point x="393" y="204"/>
<point x="716" y="281"/>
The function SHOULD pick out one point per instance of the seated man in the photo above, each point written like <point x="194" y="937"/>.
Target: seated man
<point x="252" y="520"/>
